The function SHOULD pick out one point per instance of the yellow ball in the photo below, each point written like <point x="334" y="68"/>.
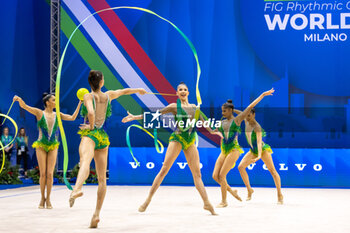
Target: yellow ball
<point x="81" y="92"/>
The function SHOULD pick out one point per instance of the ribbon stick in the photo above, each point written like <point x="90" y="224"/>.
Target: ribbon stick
<point x="59" y="71"/>
<point x="2" y="147"/>
<point x="156" y="141"/>
<point x="7" y="113"/>
<point x="161" y="94"/>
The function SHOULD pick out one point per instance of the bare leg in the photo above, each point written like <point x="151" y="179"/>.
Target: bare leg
<point x="41" y="157"/>
<point x="216" y="172"/>
<point x="266" y="157"/>
<point x="226" y="167"/>
<point x="86" y="152"/>
<point x="246" y="161"/>
<point x="192" y="157"/>
<point x="234" y="192"/>
<point x="101" y="168"/>
<point x="51" y="162"/>
<point x="217" y="168"/>
<point x="172" y="152"/>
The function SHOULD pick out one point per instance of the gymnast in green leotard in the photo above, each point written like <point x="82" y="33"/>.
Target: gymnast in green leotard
<point x="259" y="149"/>
<point x="229" y="141"/>
<point x="230" y="149"/>
<point x="94" y="140"/>
<point x="98" y="134"/>
<point x="47" y="141"/>
<point x="47" y="144"/>
<point x="185" y="137"/>
<point x="182" y="139"/>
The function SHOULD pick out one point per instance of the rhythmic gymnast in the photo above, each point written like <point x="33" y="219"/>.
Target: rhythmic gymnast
<point x="181" y="139"/>
<point x="259" y="149"/>
<point x="47" y="144"/>
<point x="230" y="148"/>
<point x="94" y="140"/>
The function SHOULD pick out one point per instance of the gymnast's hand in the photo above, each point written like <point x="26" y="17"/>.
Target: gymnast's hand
<point x="84" y="126"/>
<point x="19" y="99"/>
<point x="128" y="118"/>
<point x="142" y="91"/>
<point x="270" y="92"/>
<point x="16" y="98"/>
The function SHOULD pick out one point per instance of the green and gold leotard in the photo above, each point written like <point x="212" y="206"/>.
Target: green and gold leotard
<point x="230" y="143"/>
<point x="186" y="137"/>
<point x="254" y="143"/>
<point x="47" y="135"/>
<point x="98" y="134"/>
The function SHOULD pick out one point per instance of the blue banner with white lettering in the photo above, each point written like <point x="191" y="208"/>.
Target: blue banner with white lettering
<point x="297" y="167"/>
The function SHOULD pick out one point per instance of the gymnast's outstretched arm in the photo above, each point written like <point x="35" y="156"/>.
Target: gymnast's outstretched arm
<point x="246" y="111"/>
<point x="35" y="111"/>
<point x="126" y="91"/>
<point x="67" y="117"/>
<point x="171" y="108"/>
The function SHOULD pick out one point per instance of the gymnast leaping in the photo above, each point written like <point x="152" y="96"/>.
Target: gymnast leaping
<point x="181" y="139"/>
<point x="94" y="140"/>
<point x="259" y="149"/>
<point x="47" y="144"/>
<point x="230" y="148"/>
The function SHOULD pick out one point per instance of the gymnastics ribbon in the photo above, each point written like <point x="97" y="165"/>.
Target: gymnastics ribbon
<point x="153" y="93"/>
<point x="2" y="147"/>
<point x="7" y="113"/>
<point x="156" y="141"/>
<point x="59" y="71"/>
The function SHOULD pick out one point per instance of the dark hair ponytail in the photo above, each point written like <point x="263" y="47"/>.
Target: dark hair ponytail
<point x="95" y="77"/>
<point x="46" y="97"/>
<point x="229" y="104"/>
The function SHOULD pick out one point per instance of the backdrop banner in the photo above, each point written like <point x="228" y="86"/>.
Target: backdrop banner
<point x="297" y="167"/>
